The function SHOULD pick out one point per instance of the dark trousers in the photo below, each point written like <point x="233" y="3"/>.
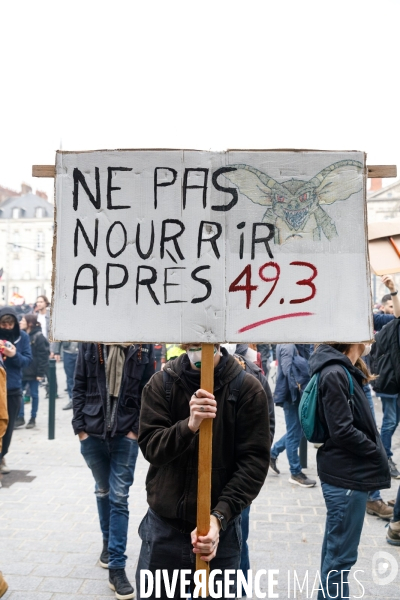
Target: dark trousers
<point x="344" y="522"/>
<point x="69" y="368"/>
<point x="164" y="547"/>
<point x="244" y="556"/>
<point x="14" y="398"/>
<point x="396" y="510"/>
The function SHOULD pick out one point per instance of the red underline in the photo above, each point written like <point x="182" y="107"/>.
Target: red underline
<point x="288" y="316"/>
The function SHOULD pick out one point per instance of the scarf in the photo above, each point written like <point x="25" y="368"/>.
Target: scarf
<point x="192" y="377"/>
<point x="115" y="368"/>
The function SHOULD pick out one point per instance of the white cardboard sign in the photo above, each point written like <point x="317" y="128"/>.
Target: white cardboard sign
<point x="192" y="246"/>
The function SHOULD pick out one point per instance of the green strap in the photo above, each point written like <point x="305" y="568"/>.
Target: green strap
<point x="349" y="377"/>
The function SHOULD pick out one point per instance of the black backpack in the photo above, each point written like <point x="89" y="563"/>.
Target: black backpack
<point x="385" y="359"/>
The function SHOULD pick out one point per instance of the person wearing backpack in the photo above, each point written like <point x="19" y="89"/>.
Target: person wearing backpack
<point x="351" y="462"/>
<point x="34" y="373"/>
<point x="292" y="377"/>
<point x="385" y="362"/>
<point x="173" y="407"/>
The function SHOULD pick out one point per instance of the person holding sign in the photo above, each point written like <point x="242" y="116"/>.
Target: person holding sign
<point x="173" y="407"/>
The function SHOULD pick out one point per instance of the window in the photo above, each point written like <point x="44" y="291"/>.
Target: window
<point x="39" y="267"/>
<point x="16" y="269"/>
<point x="40" y="240"/>
<point x="16" y="241"/>
<point x="40" y="212"/>
<point x="16" y="213"/>
<point x="15" y="290"/>
<point x="39" y="291"/>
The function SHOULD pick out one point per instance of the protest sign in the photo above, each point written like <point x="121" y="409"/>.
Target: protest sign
<point x="193" y="246"/>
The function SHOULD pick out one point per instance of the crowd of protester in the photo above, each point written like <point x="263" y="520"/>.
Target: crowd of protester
<point x="129" y="396"/>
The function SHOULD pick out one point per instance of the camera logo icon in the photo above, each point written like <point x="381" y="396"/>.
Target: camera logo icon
<point x="384" y="568"/>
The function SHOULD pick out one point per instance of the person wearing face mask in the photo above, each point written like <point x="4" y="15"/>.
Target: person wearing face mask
<point x="173" y="407"/>
<point x="351" y="462"/>
<point x="16" y="351"/>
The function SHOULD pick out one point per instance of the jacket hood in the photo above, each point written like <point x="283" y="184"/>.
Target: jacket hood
<point x="10" y="334"/>
<point x="232" y="368"/>
<point x="241" y="349"/>
<point x="34" y="330"/>
<point x="325" y="355"/>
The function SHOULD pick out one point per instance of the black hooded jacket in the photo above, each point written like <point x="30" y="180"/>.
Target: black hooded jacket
<point x="40" y="349"/>
<point x="353" y="455"/>
<point x="241" y="443"/>
<point x="91" y="404"/>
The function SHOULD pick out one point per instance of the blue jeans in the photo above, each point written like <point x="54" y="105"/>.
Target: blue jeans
<point x="69" y="368"/>
<point x="112" y="462"/>
<point x="34" y="392"/>
<point x="344" y="522"/>
<point x="375" y="495"/>
<point x="165" y="547"/>
<point x="291" y="440"/>
<point x="391" y="418"/>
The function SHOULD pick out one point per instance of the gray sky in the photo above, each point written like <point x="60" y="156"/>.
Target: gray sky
<point x="207" y="75"/>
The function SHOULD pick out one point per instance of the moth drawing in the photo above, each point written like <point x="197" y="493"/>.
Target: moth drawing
<point x="295" y="206"/>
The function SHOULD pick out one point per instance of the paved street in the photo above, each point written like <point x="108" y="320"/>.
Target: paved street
<point x="50" y="538"/>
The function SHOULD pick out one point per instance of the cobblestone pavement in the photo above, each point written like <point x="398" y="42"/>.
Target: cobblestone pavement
<point x="50" y="538"/>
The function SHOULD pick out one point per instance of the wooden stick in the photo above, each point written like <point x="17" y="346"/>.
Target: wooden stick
<point x="205" y="456"/>
<point x="395" y="246"/>
<point x="383" y="171"/>
<point x="43" y="171"/>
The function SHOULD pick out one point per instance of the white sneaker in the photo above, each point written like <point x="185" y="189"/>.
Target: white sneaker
<point x="3" y="467"/>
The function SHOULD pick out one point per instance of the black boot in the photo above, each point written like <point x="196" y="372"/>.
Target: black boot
<point x="104" y="556"/>
<point x="118" y="582"/>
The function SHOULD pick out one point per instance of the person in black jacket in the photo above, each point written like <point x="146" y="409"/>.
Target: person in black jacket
<point x="34" y="373"/>
<point x="106" y="400"/>
<point x="390" y="309"/>
<point x="351" y="462"/>
<point x="16" y="355"/>
<point x="168" y="438"/>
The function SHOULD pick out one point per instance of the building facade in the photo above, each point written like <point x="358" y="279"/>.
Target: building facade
<point x="26" y="233"/>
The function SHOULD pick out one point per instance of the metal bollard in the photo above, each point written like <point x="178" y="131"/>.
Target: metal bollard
<point x="52" y="398"/>
<point x="303" y="452"/>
